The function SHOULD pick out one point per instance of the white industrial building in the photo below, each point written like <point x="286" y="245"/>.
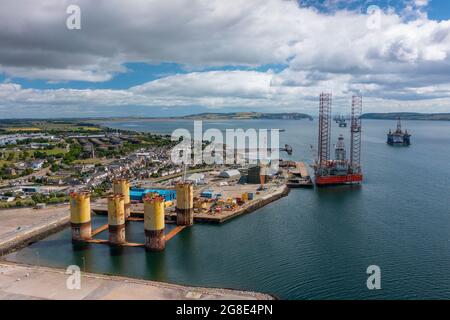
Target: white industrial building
<point x="196" y="178"/>
<point x="233" y="173"/>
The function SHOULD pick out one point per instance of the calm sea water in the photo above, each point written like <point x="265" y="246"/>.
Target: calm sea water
<point x="312" y="244"/>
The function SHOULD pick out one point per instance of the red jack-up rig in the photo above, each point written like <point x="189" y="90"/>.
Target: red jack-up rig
<point x="340" y="170"/>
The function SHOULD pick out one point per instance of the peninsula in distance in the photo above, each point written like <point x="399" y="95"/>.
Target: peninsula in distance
<point x="245" y="116"/>
<point x="407" y="116"/>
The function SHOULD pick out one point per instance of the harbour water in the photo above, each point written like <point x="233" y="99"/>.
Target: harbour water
<point x="312" y="244"/>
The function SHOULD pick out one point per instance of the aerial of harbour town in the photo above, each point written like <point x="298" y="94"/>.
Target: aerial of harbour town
<point x="232" y="151"/>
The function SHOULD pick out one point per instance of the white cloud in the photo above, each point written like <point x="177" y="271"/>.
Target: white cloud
<point x="421" y="3"/>
<point x="238" y="89"/>
<point x="193" y="32"/>
<point x="403" y="61"/>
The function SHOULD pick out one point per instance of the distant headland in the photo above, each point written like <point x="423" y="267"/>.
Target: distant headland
<point x="407" y="116"/>
<point x="248" y="115"/>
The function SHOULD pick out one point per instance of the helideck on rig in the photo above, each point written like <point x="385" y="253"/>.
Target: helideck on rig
<point x="339" y="170"/>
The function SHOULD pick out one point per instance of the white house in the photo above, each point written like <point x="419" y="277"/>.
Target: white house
<point x="37" y="164"/>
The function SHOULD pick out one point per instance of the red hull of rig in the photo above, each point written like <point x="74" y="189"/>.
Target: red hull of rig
<point x="340" y="170"/>
<point x="335" y="180"/>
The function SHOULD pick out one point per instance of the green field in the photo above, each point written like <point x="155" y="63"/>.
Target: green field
<point x="27" y="126"/>
<point x="20" y="129"/>
<point x="51" y="152"/>
<point x="88" y="161"/>
<point x="3" y="162"/>
<point x="17" y="154"/>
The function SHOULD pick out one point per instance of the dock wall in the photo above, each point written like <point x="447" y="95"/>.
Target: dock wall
<point x="38" y="233"/>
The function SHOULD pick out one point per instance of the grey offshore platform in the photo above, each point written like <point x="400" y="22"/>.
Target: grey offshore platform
<point x="399" y="137"/>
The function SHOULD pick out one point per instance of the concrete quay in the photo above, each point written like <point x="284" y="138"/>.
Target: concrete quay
<point x="20" y="227"/>
<point x="34" y="282"/>
<point x="275" y="193"/>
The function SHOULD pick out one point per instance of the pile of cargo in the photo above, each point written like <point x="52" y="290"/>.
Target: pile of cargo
<point x="212" y="203"/>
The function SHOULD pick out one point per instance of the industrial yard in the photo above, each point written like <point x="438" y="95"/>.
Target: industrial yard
<point x="215" y="199"/>
<point x="213" y="196"/>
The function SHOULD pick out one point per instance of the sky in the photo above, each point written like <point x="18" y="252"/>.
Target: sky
<point x="165" y="58"/>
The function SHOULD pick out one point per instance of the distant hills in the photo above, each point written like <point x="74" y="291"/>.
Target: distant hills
<point x="247" y="115"/>
<point x="407" y="116"/>
<point x="230" y="116"/>
<point x="199" y="116"/>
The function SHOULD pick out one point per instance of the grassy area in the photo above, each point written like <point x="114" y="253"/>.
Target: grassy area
<point x="89" y="129"/>
<point x="88" y="161"/>
<point x="49" y="152"/>
<point x="6" y="158"/>
<point x="31" y="202"/>
<point x="17" y="203"/>
<point x="19" y="129"/>
<point x="67" y="127"/>
<point x="3" y="162"/>
<point x="52" y="126"/>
